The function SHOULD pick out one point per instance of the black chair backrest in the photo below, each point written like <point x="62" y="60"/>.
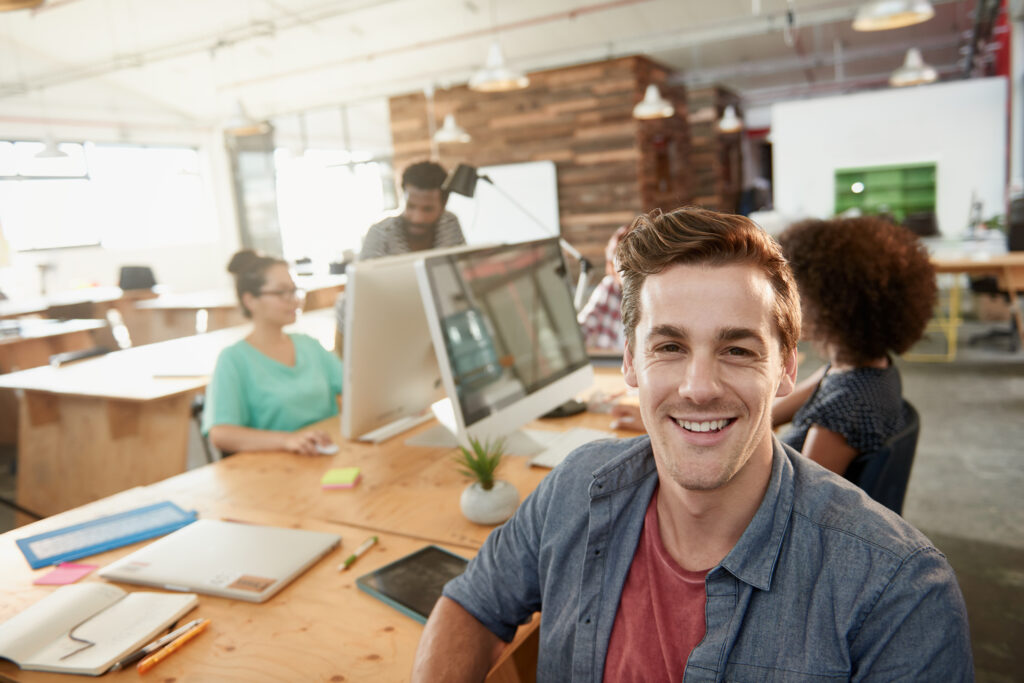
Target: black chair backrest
<point x="1015" y="226"/>
<point x="136" y="277"/>
<point x="884" y="474"/>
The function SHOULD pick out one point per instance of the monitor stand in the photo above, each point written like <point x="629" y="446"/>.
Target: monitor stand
<point x="519" y="442"/>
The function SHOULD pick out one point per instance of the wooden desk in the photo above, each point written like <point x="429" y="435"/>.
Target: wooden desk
<point x="175" y="315"/>
<point x="93" y="302"/>
<point x="318" y="628"/>
<point x="31" y="346"/>
<point x="99" y="426"/>
<point x="408" y="490"/>
<point x="171" y="316"/>
<point x="1007" y="268"/>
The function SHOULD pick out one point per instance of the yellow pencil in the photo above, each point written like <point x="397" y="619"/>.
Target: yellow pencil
<point x="171" y="647"/>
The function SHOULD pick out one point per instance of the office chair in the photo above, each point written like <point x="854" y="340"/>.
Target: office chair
<point x="884" y="474"/>
<point x="988" y="285"/>
<point x="198" y="403"/>
<point x="136" y="277"/>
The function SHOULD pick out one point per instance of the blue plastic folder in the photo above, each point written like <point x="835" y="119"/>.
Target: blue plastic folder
<point x="105" y="533"/>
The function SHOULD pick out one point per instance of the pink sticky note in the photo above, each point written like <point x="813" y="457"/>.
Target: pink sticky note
<point x="65" y="573"/>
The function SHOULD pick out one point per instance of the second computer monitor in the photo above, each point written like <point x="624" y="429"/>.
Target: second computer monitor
<point x="508" y="345"/>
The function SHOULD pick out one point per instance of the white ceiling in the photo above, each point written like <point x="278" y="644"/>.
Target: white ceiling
<point x="185" y="63"/>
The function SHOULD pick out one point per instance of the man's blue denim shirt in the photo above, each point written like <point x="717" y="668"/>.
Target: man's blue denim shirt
<point x="824" y="584"/>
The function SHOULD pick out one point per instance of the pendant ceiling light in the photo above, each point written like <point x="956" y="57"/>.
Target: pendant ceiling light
<point x="240" y="124"/>
<point x="882" y="15"/>
<point x="730" y="122"/>
<point x="451" y="131"/>
<point x="50" y="150"/>
<point x="914" y="71"/>
<point x="653" y="105"/>
<point x="496" y="76"/>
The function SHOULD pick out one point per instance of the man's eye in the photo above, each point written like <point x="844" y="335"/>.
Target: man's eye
<point x="670" y="348"/>
<point x="739" y="351"/>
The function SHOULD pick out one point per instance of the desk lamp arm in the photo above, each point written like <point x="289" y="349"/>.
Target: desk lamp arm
<point x="584" y="263"/>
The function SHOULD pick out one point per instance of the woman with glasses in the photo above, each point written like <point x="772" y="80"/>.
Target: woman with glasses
<point x="268" y="387"/>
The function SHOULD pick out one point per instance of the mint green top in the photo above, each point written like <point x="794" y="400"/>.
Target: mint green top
<point x="250" y="389"/>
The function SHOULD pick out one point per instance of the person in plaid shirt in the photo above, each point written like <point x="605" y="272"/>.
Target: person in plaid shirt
<point x="601" y="318"/>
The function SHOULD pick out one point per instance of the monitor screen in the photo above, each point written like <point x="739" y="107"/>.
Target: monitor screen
<point x="505" y="321"/>
<point x="391" y="374"/>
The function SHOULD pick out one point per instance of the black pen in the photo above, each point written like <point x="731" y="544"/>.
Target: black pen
<point x="154" y="646"/>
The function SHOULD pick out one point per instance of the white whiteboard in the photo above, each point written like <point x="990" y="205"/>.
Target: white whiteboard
<point x="491" y="217"/>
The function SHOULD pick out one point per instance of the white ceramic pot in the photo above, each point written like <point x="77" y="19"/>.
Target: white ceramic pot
<point x="489" y="507"/>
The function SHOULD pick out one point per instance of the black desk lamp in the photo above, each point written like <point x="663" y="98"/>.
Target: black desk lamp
<point x="462" y="180"/>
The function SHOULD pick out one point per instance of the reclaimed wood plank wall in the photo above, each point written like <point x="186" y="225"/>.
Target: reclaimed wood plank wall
<point x="610" y="167"/>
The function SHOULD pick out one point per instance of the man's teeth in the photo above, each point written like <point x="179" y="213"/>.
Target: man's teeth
<point x="709" y="426"/>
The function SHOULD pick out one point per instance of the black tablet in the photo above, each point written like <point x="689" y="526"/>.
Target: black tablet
<point x="413" y="583"/>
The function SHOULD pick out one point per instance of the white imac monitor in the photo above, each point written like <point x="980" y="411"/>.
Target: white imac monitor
<point x="391" y="376"/>
<point x="508" y="345"/>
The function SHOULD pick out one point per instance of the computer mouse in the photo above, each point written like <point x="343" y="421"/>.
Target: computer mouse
<point x="327" y="448"/>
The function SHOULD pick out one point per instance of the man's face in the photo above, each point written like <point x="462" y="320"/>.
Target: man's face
<point x="423" y="208"/>
<point x="707" y="361"/>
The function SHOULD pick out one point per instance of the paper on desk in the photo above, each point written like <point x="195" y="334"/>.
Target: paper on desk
<point x="340" y="478"/>
<point x="64" y="573"/>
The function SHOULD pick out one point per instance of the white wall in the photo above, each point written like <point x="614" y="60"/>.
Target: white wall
<point x="961" y="126"/>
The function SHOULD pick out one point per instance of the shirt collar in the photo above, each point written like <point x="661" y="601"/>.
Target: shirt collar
<point x="753" y="558"/>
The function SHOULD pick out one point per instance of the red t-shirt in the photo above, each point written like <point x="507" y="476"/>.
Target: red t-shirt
<point x="661" y="613"/>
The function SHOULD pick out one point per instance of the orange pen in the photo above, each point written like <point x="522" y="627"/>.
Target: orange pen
<point x="171" y="647"/>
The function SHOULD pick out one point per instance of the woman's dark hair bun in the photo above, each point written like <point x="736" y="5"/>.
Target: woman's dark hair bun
<point x="243" y="260"/>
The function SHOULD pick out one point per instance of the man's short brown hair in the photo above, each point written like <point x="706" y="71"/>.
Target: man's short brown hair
<point x="695" y="236"/>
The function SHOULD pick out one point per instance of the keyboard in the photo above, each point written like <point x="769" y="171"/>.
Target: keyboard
<point x="105" y="533"/>
<point x="395" y="428"/>
<point x="566" y="443"/>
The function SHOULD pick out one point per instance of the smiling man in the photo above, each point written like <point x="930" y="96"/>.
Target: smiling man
<point x="706" y="551"/>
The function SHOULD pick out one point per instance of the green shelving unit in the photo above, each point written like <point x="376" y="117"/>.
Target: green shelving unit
<point x="897" y="190"/>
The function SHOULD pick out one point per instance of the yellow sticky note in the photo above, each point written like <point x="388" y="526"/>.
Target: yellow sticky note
<point x="340" y="478"/>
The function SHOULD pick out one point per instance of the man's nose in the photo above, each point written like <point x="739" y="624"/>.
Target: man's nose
<point x="700" y="382"/>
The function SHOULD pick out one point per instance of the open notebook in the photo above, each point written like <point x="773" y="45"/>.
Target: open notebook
<point x="248" y="562"/>
<point x="84" y="628"/>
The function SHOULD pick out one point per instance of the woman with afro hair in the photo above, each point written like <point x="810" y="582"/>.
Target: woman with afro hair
<point x="867" y="289"/>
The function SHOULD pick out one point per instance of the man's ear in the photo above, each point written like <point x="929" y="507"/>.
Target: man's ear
<point x="788" y="382"/>
<point x="628" y="371"/>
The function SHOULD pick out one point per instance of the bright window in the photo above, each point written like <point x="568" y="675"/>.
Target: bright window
<point x="125" y="197"/>
<point x="326" y="200"/>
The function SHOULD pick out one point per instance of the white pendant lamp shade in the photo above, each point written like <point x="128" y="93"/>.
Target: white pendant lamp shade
<point x="50" y="150"/>
<point x="913" y="72"/>
<point x="730" y="122"/>
<point x="882" y="15"/>
<point x="240" y="124"/>
<point x="653" y="105"/>
<point x="451" y="131"/>
<point x="496" y="76"/>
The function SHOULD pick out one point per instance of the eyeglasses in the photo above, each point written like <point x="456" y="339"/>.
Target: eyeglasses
<point x="285" y="294"/>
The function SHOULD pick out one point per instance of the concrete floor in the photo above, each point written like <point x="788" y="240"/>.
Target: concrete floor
<point x="965" y="490"/>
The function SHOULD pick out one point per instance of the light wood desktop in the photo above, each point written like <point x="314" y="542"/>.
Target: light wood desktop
<point x="319" y="627"/>
<point x="30" y="343"/>
<point x="93" y="301"/>
<point x="174" y="315"/>
<point x="1007" y="268"/>
<point x="98" y="426"/>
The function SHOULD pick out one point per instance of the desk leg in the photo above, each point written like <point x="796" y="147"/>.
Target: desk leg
<point x="76" y="449"/>
<point x="1014" y="278"/>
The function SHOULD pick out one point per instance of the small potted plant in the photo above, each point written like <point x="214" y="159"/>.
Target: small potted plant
<point x="487" y="500"/>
